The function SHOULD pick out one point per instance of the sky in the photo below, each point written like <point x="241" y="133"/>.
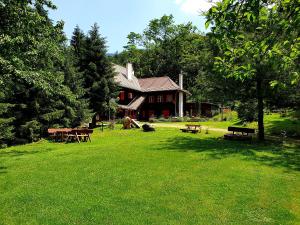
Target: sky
<point x="117" y="18"/>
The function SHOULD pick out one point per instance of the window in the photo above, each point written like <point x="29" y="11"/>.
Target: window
<point x="151" y="99"/>
<point x="159" y="98"/>
<point x="169" y="98"/>
<point x="122" y="95"/>
<point x="130" y="95"/>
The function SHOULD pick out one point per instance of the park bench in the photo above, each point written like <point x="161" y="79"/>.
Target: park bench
<point x="239" y="133"/>
<point x="192" y="128"/>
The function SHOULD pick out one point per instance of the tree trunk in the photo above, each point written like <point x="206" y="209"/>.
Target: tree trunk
<point x="94" y="122"/>
<point x="260" y="109"/>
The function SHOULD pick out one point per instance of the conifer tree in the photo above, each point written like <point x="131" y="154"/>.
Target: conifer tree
<point x="98" y="73"/>
<point x="34" y="70"/>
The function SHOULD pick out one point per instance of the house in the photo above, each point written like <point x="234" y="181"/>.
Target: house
<point x="149" y="97"/>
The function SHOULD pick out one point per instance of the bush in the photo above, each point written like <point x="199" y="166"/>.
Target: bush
<point x="197" y="119"/>
<point x="31" y="131"/>
<point x="247" y="111"/>
<point x="177" y="119"/>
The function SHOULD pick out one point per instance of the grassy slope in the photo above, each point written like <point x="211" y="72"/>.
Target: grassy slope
<point x="166" y="177"/>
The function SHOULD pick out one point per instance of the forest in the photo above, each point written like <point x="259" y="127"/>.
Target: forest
<point x="248" y="61"/>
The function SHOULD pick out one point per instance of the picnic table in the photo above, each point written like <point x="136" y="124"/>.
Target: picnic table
<point x="68" y="134"/>
<point x="239" y="133"/>
<point x="193" y="128"/>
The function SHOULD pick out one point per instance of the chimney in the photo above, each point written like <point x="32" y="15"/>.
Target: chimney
<point x="181" y="99"/>
<point x="181" y="81"/>
<point x="130" y="71"/>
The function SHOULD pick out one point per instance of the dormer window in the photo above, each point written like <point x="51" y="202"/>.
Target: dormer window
<point x="130" y="95"/>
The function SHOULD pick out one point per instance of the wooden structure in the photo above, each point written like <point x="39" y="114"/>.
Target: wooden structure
<point x="193" y="128"/>
<point x="239" y="133"/>
<point x="68" y="134"/>
<point x="146" y="98"/>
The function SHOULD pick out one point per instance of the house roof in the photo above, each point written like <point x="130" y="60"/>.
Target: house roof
<point x="158" y="84"/>
<point x="121" y="79"/>
<point x="145" y="84"/>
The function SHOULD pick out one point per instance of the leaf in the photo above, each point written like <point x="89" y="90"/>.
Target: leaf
<point x="207" y="23"/>
<point x="274" y="83"/>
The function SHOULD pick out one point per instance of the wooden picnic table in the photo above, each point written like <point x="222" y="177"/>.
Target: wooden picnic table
<point x="68" y="134"/>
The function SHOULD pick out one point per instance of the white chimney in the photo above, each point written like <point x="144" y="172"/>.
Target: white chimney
<point x="180" y="103"/>
<point x="130" y="71"/>
<point x="181" y="81"/>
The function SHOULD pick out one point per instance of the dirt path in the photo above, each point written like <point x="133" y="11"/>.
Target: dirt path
<point x="182" y="126"/>
<point x="269" y="137"/>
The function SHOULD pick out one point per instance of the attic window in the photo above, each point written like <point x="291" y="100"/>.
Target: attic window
<point x="130" y="95"/>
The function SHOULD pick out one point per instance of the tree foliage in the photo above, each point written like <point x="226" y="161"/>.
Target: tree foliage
<point x="36" y="92"/>
<point x="97" y="70"/>
<point x="258" y="42"/>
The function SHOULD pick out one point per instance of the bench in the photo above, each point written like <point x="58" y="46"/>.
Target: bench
<point x="239" y="133"/>
<point x="191" y="128"/>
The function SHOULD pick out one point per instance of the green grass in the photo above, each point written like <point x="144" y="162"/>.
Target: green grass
<point x="166" y="177"/>
<point x="274" y="124"/>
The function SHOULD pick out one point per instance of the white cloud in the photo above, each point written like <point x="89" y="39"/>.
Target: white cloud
<point x="194" y="7"/>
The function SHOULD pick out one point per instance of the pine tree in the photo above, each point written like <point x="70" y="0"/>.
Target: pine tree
<point x="6" y="128"/>
<point x="98" y="73"/>
<point x="78" y="42"/>
<point x="36" y="72"/>
<point x="75" y="81"/>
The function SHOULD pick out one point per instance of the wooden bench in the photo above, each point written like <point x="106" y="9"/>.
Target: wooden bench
<point x="192" y="128"/>
<point x="239" y="133"/>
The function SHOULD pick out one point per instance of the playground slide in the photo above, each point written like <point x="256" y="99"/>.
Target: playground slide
<point x="135" y="123"/>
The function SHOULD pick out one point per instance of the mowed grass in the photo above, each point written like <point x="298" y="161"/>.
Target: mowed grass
<point x="166" y="177"/>
<point x="274" y="124"/>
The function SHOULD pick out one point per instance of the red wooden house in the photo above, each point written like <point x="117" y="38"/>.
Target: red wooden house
<point x="149" y="97"/>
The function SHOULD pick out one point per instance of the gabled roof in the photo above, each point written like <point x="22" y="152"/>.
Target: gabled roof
<point x="145" y="84"/>
<point x="121" y="79"/>
<point x="158" y="84"/>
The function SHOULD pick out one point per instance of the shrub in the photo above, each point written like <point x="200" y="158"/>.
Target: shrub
<point x="247" y="111"/>
<point x="31" y="131"/>
<point x="197" y="119"/>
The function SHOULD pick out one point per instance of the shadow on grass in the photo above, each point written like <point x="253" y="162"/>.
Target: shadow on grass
<point x="268" y="153"/>
<point x="17" y="153"/>
<point x="3" y="169"/>
<point x="289" y="126"/>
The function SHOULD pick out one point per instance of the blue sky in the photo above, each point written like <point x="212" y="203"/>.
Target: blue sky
<point x="117" y="18"/>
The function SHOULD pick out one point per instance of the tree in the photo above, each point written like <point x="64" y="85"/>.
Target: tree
<point x="98" y="73"/>
<point x="159" y="49"/>
<point x="32" y="74"/>
<point x="258" y="41"/>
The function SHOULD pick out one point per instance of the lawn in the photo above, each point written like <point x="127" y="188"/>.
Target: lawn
<point x="166" y="177"/>
<point x="274" y="124"/>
